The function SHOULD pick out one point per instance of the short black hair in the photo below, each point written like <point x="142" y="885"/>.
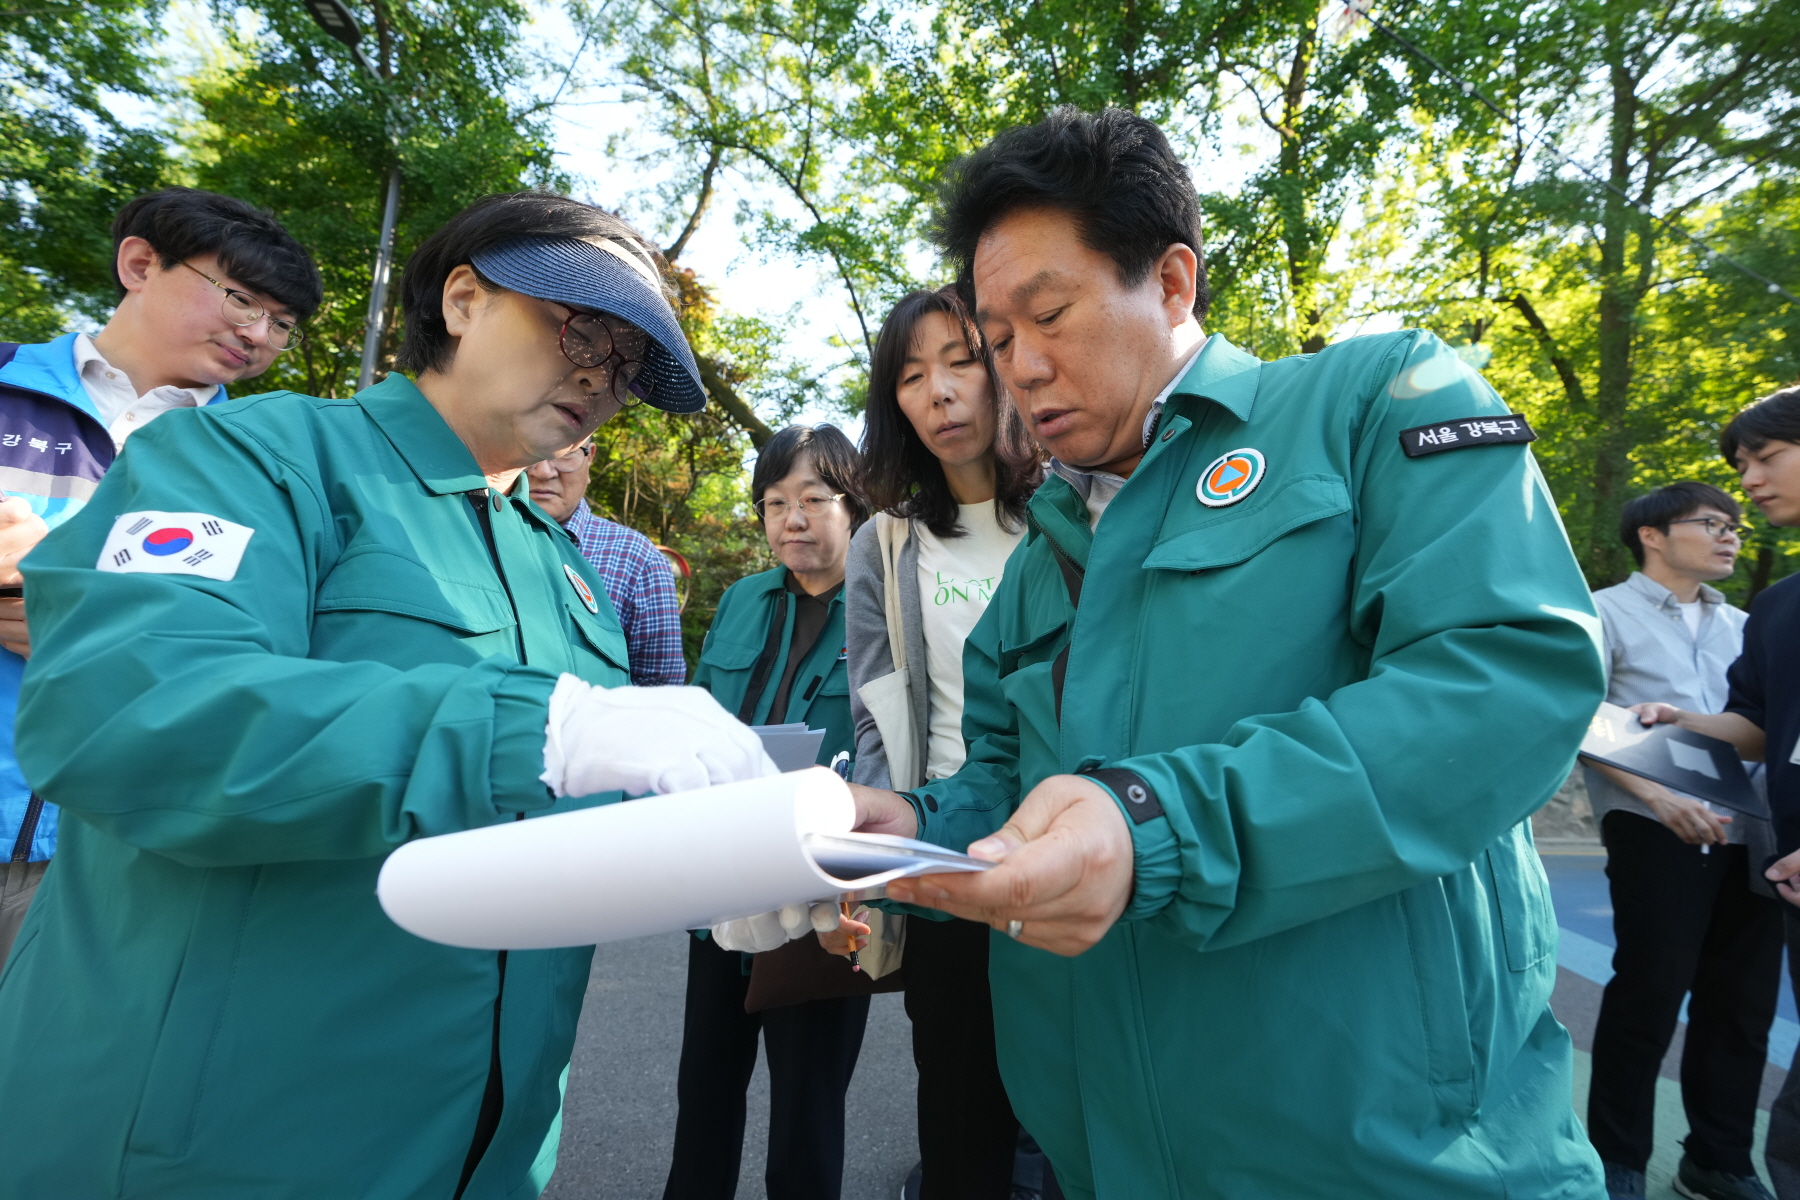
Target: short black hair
<point x="1668" y="504"/>
<point x="1773" y="418"/>
<point x="1113" y="171"/>
<point x="904" y="476"/>
<point x="833" y="457"/>
<point x="489" y="222"/>
<point x="252" y="246"/>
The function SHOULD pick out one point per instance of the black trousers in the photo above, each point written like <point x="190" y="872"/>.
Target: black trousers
<point x="812" y="1054"/>
<point x="1686" y="923"/>
<point x="967" y="1131"/>
<point x="1782" y="1153"/>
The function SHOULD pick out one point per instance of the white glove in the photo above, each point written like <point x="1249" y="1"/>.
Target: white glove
<point x="772" y="930"/>
<point x="644" y="739"/>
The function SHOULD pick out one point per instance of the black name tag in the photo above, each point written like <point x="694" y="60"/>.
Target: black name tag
<point x="1465" y="432"/>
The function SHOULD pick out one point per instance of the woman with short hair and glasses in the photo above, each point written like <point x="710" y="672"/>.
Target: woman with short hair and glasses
<point x="285" y="636"/>
<point x="775" y="654"/>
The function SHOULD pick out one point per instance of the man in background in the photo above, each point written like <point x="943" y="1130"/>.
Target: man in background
<point x="1685" y="917"/>
<point x="638" y="579"/>
<point x="1762" y="715"/>
<point x="210" y="291"/>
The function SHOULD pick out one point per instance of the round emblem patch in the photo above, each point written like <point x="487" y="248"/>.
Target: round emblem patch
<point x="582" y="589"/>
<point x="1230" y="477"/>
<point x="167" y="540"/>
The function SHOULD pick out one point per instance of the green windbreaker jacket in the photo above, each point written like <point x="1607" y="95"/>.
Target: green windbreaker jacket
<point x="821" y="690"/>
<point x="206" y="999"/>
<point x="1327" y="682"/>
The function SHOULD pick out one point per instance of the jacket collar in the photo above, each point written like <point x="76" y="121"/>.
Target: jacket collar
<point x="49" y="368"/>
<point x="764" y="584"/>
<point x="1223" y="374"/>
<point x="1060" y="513"/>
<point x="1662" y="597"/>
<point x="420" y="436"/>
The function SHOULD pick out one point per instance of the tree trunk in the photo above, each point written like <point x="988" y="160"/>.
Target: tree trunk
<point x="735" y="406"/>
<point x="1296" y="225"/>
<point x="1607" y="560"/>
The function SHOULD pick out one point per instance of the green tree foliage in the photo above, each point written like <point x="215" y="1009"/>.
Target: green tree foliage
<point x="66" y="161"/>
<point x="1673" y="108"/>
<point x="291" y="123"/>
<point x="680" y="480"/>
<point x="1548" y="243"/>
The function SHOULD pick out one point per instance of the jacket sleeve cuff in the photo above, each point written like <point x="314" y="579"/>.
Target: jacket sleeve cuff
<point x="1156" y="855"/>
<point x="521" y="709"/>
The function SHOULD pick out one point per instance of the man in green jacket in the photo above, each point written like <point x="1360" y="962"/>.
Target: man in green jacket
<point x="1287" y="657"/>
<point x="286" y="635"/>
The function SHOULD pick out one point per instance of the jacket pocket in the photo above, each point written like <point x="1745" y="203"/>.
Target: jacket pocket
<point x="729" y="656"/>
<point x="1243" y="531"/>
<point x="1450" y="1067"/>
<point x="1522" y="895"/>
<point x="605" y="639"/>
<point x="378" y="580"/>
<point x="1030" y="648"/>
<point x="194" y="1017"/>
<point x="836" y="681"/>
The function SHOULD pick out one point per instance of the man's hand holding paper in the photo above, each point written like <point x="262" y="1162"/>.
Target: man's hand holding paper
<point x="645" y="739"/>
<point x="1065" y="870"/>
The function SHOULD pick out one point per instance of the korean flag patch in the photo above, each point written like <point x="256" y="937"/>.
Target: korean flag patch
<point x="175" y="543"/>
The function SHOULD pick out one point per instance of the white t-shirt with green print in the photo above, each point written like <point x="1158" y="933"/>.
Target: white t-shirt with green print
<point x="957" y="578"/>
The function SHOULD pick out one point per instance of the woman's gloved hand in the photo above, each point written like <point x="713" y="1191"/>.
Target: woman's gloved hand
<point x="644" y="739"/>
<point x="773" y="930"/>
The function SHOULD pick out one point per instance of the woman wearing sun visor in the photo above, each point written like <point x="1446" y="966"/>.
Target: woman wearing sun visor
<point x="286" y="635"/>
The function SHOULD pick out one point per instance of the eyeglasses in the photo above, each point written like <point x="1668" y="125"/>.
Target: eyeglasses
<point x="813" y="506"/>
<point x="1715" y="527"/>
<point x="588" y="340"/>
<point x="573" y="460"/>
<point x="241" y="308"/>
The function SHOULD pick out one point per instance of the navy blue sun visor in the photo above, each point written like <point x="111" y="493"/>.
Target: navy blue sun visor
<point x="580" y="273"/>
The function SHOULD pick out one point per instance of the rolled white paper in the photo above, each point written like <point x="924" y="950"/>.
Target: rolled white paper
<point x="664" y="863"/>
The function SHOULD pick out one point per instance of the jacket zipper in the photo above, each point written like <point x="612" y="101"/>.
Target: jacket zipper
<point x="1072" y="577"/>
<point x="34" y="809"/>
<point x="493" y="1095"/>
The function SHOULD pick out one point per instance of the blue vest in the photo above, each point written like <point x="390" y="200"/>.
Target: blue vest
<point x="53" y="450"/>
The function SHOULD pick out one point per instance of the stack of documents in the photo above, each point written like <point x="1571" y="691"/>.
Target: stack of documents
<point x="793" y="746"/>
<point x="664" y="863"/>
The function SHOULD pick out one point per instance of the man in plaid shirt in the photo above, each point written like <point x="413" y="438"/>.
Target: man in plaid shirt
<point x="638" y="579"/>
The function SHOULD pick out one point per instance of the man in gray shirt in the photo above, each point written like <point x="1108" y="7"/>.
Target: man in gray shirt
<point x="1684" y="916"/>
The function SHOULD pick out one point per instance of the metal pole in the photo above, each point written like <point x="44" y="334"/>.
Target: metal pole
<point x="384" y="261"/>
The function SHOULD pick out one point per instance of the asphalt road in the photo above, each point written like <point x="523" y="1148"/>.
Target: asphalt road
<point x="619" y="1111"/>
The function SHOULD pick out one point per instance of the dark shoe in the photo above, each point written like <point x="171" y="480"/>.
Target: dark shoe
<point x="1623" y="1183"/>
<point x="1700" y="1183"/>
<point x="910" y="1189"/>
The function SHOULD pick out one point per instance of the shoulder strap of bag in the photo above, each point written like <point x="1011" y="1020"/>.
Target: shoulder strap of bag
<point x="892" y="533"/>
<point x="1072" y="578"/>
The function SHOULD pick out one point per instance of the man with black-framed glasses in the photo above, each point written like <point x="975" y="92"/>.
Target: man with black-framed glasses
<point x="210" y="291"/>
<point x="1691" y="912"/>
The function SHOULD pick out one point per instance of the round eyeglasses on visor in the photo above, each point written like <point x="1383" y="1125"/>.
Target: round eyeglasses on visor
<point x="589" y="340"/>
